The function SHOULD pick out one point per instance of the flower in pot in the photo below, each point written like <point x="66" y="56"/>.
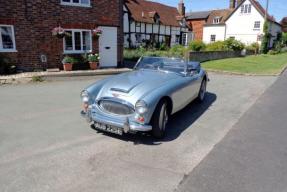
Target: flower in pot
<point x="93" y="61"/>
<point x="97" y="32"/>
<point x="59" y="32"/>
<point x="68" y="63"/>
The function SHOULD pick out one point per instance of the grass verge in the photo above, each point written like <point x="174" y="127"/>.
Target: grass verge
<point x="258" y="65"/>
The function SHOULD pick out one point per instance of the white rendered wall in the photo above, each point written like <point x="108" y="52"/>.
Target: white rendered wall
<point x="218" y="30"/>
<point x="241" y="25"/>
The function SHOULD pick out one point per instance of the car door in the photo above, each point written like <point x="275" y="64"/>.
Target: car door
<point x="187" y="90"/>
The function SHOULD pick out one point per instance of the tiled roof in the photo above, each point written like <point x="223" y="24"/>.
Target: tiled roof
<point x="259" y="8"/>
<point x="222" y="14"/>
<point x="142" y="11"/>
<point x="198" y="15"/>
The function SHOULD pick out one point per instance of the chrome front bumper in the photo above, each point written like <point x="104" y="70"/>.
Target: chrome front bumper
<point x="125" y="123"/>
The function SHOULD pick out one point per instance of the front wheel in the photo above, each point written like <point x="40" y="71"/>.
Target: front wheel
<point x="160" y="119"/>
<point x="202" y="91"/>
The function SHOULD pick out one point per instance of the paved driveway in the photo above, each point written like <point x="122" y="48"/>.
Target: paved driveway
<point x="46" y="146"/>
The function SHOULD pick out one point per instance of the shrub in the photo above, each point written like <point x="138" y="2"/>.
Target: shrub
<point x="197" y="45"/>
<point x="265" y="39"/>
<point x="284" y="38"/>
<point x="6" y="65"/>
<point x="233" y="44"/>
<point x="177" y="51"/>
<point x="68" y="59"/>
<point x="133" y="54"/>
<point x="254" y="47"/>
<point x="93" y="57"/>
<point x="273" y="52"/>
<point x="216" y="46"/>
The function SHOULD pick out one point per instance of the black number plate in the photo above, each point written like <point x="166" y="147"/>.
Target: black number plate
<point x="109" y="128"/>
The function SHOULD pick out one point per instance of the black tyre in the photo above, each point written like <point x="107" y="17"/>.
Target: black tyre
<point x="160" y="119"/>
<point x="202" y="91"/>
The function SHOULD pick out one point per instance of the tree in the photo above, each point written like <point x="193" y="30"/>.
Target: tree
<point x="265" y="39"/>
<point x="284" y="38"/>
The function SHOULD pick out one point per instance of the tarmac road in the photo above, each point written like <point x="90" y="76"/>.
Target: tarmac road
<point x="46" y="146"/>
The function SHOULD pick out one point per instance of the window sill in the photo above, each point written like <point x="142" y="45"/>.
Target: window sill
<point x="256" y="29"/>
<point x="76" y="5"/>
<point x="8" y="51"/>
<point x="77" y="52"/>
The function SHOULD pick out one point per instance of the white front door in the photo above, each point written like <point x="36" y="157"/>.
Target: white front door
<point x="108" y="48"/>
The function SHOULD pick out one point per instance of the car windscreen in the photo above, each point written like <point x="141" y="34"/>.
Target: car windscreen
<point x="164" y="64"/>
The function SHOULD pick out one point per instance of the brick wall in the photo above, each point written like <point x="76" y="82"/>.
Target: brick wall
<point x="34" y="20"/>
<point x="197" y="28"/>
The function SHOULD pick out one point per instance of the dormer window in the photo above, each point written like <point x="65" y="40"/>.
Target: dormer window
<point x="154" y="15"/>
<point x="246" y="8"/>
<point x="216" y="20"/>
<point x="81" y="3"/>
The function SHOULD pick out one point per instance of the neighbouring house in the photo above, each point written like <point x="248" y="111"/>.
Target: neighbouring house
<point x="153" y="23"/>
<point x="196" y="21"/>
<point x="284" y="24"/>
<point x="246" y="23"/>
<point x="26" y="31"/>
<point x="214" y="28"/>
<point x="243" y="20"/>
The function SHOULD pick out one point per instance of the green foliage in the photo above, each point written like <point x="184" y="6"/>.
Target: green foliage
<point x="6" y="65"/>
<point x="37" y="79"/>
<point x="233" y="44"/>
<point x="69" y="59"/>
<point x="216" y="46"/>
<point x="93" y="57"/>
<point x="254" y="47"/>
<point x="265" y="39"/>
<point x="135" y="54"/>
<point x="196" y="45"/>
<point x="273" y="52"/>
<point x="177" y="51"/>
<point x="284" y="38"/>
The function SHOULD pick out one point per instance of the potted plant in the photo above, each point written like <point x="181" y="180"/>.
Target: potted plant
<point x="68" y="63"/>
<point x="59" y="32"/>
<point x="93" y="61"/>
<point x="97" y="32"/>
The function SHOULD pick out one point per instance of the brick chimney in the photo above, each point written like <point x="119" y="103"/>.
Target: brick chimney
<point x="181" y="8"/>
<point x="232" y="4"/>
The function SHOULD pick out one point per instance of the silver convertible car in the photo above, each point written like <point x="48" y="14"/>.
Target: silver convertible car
<point x="143" y="100"/>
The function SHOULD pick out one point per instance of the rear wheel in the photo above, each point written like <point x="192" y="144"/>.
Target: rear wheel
<point x="160" y="119"/>
<point x="202" y="91"/>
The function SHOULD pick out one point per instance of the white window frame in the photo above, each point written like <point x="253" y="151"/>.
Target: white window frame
<point x="80" y="4"/>
<point x="73" y="42"/>
<point x="257" y="25"/>
<point x="212" y="38"/>
<point x="13" y="40"/>
<point x="216" y="20"/>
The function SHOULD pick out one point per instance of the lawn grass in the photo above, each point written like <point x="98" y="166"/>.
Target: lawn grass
<point x="259" y="64"/>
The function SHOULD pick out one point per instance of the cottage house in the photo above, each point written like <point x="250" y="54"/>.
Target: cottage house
<point x="246" y="23"/>
<point x="26" y="37"/>
<point x="243" y="20"/>
<point x="154" y="23"/>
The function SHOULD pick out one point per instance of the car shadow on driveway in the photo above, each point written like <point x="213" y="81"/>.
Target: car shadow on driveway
<point x="178" y="123"/>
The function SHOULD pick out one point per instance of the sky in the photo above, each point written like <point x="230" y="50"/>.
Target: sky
<point x="277" y="8"/>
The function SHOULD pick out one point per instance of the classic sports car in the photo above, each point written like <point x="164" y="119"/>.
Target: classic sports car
<point x="142" y="100"/>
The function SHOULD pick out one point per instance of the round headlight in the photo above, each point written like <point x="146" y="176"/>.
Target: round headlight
<point x="85" y="96"/>
<point x="141" y="107"/>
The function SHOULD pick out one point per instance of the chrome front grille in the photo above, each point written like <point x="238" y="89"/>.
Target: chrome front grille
<point x="115" y="107"/>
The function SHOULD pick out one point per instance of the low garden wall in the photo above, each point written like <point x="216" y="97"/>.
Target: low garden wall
<point x="202" y="56"/>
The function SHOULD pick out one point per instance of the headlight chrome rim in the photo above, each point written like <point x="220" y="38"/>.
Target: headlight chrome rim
<point x="85" y="96"/>
<point x="141" y="107"/>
